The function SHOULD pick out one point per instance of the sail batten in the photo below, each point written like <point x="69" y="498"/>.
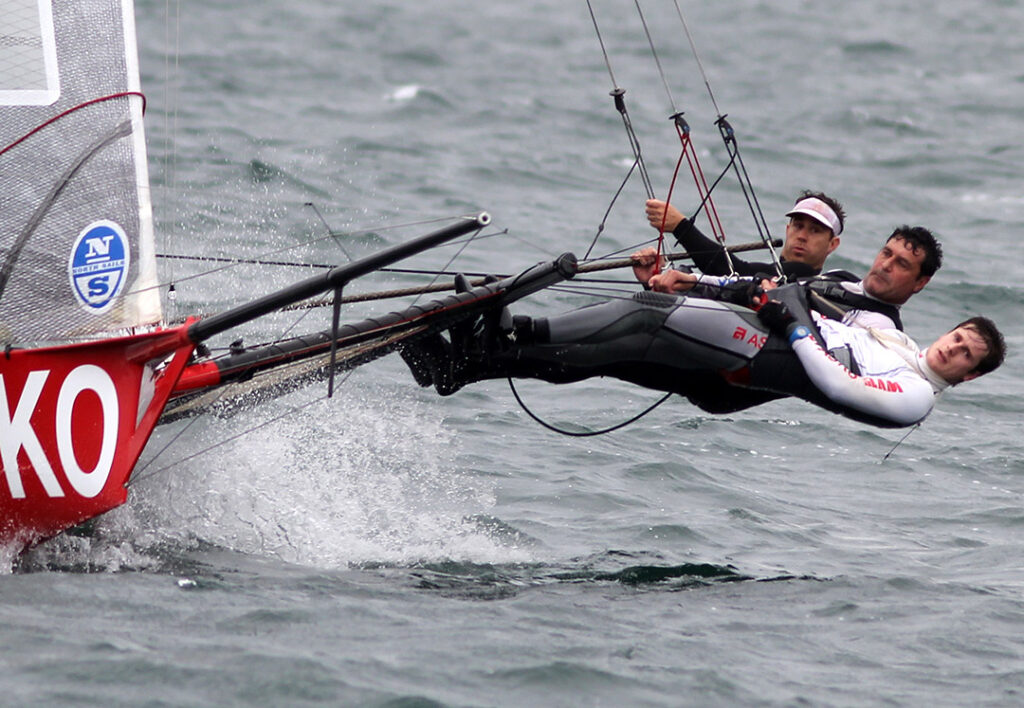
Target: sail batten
<point x="77" y="253"/>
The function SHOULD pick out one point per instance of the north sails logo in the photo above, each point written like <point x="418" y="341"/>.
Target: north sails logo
<point x="98" y="266"/>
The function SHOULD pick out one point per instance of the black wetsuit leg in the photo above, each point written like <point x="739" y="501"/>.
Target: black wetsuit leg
<point x="659" y="341"/>
<point x="718" y="355"/>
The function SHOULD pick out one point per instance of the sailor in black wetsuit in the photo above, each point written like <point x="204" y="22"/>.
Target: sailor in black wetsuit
<point x="815" y="223"/>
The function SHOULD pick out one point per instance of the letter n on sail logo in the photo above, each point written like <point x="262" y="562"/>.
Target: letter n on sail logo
<point x="99" y="265"/>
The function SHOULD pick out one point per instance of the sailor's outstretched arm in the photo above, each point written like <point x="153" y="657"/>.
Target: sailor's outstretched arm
<point x="902" y="397"/>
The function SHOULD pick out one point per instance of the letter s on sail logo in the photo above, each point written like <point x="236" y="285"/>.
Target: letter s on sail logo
<point x="98" y="267"/>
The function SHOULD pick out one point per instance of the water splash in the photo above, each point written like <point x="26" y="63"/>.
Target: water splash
<point x="367" y="477"/>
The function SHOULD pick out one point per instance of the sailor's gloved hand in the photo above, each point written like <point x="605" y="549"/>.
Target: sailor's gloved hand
<point x="756" y="297"/>
<point x="776" y="315"/>
<point x="781" y="321"/>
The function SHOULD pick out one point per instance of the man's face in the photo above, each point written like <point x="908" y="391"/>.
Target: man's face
<point x="896" y="273"/>
<point x="955" y="353"/>
<point x="808" y="241"/>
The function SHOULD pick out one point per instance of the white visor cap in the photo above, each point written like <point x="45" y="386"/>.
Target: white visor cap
<point x="819" y="211"/>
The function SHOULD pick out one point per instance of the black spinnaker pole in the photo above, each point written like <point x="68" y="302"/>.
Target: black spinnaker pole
<point x="334" y="279"/>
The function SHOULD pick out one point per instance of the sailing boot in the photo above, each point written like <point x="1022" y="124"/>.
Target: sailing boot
<point x="426" y="357"/>
<point x="479" y="349"/>
<point x="429" y="357"/>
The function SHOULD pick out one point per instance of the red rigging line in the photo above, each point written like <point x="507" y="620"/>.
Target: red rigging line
<point x="57" y="117"/>
<point x="687" y="151"/>
<point x="698" y="177"/>
<point x="732" y="148"/>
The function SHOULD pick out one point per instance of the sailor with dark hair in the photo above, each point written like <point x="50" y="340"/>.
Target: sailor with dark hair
<point x="669" y="342"/>
<point x="906" y="262"/>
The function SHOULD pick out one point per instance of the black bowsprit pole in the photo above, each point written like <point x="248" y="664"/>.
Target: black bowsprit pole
<point x="335" y="279"/>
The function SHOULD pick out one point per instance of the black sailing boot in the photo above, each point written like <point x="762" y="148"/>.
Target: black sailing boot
<point x="478" y="348"/>
<point x="427" y="357"/>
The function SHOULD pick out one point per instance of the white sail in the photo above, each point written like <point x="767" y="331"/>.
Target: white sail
<point x="77" y="254"/>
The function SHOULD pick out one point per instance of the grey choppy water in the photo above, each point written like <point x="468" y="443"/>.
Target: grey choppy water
<point x="393" y="548"/>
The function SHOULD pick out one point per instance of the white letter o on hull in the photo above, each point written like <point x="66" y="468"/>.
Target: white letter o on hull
<point x="87" y="378"/>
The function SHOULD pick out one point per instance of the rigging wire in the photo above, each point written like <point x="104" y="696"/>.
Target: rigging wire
<point x="296" y="409"/>
<point x="593" y="265"/>
<point x="330" y="231"/>
<point x="733" y="150"/>
<point x="170" y="161"/>
<point x="261" y="260"/>
<point x="618" y="94"/>
<point x="688" y="152"/>
<point x="451" y="260"/>
<point x="696" y="55"/>
<point x="139" y="473"/>
<point x="616" y="254"/>
<point x="608" y="211"/>
<point x="600" y="39"/>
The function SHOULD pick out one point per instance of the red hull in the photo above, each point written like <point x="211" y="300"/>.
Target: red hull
<point x="73" y="421"/>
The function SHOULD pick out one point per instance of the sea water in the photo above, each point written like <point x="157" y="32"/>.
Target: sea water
<point x="388" y="547"/>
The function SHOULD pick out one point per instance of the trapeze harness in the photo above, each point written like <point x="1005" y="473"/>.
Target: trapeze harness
<point x="678" y="344"/>
<point x="840" y="295"/>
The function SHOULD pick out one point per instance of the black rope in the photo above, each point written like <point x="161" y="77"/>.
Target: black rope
<point x="592" y="433"/>
<point x="900" y="442"/>
<point x="608" y="211"/>
<point x="618" y="94"/>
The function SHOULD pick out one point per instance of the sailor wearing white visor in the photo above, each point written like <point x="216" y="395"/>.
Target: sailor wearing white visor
<point x="815" y="222"/>
<point x="812" y="233"/>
